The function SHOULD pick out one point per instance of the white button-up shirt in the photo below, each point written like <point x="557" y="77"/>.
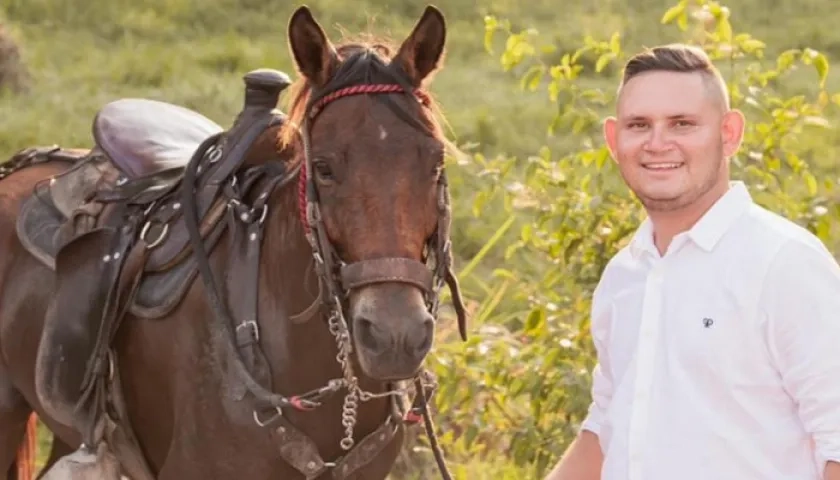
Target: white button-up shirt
<point x="719" y="360"/>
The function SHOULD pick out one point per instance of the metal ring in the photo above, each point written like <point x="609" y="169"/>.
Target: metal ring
<point x="263" y="424"/>
<point x="264" y="214"/>
<point x="160" y="237"/>
<point x="214" y="155"/>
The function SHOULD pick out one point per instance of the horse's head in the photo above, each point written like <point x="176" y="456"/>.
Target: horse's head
<point x="373" y="157"/>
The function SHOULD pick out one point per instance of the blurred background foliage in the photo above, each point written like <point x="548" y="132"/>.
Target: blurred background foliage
<point x="539" y="207"/>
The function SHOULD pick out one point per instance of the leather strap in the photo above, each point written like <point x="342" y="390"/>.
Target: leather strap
<point x="302" y="453"/>
<point x="297" y="449"/>
<point x="367" y="449"/>
<point x="377" y="270"/>
<point x="244" y="293"/>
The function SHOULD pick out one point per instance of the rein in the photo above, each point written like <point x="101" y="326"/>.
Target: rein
<point x="336" y="279"/>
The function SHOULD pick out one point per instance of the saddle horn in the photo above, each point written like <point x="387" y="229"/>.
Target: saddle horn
<point x="264" y="86"/>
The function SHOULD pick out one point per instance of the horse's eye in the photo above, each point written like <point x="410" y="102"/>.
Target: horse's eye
<point x="323" y="170"/>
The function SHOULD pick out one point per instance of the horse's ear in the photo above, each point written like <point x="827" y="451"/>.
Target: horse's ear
<point x="420" y="54"/>
<point x="314" y="55"/>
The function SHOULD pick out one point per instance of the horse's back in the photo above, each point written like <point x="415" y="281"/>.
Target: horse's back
<point x="14" y="190"/>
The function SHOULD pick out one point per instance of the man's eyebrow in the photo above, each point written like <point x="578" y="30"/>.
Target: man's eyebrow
<point x="636" y="118"/>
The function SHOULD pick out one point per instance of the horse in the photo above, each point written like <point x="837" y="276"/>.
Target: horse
<point x="185" y="301"/>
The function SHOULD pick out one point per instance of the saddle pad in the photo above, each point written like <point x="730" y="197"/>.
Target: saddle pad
<point x="40" y="233"/>
<point x="38" y="228"/>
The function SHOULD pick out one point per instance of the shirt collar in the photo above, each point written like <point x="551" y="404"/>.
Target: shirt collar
<point x="709" y="229"/>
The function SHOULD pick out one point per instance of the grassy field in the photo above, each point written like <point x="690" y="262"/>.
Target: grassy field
<point x="83" y="53"/>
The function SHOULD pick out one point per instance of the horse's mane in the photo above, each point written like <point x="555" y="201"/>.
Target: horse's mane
<point x="362" y="63"/>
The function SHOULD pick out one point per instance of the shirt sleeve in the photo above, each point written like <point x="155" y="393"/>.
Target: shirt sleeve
<point x="801" y="305"/>
<point x="602" y="384"/>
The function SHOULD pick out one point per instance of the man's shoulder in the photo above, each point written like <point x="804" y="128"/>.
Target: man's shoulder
<point x="783" y="245"/>
<point x="621" y="266"/>
<point x="780" y="232"/>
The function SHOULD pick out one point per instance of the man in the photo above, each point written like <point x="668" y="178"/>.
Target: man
<point x="718" y="326"/>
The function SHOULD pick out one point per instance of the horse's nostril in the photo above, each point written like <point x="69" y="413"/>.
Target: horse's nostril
<point x="421" y="341"/>
<point x="367" y="333"/>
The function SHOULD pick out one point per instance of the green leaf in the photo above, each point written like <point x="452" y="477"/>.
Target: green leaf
<point x="488" y="40"/>
<point x="615" y="43"/>
<point x="724" y="30"/>
<point x="535" y="321"/>
<point x="682" y="22"/>
<point x="584" y="183"/>
<point x="553" y="90"/>
<point x="531" y="79"/>
<point x="603" y="61"/>
<point x="673" y="13"/>
<point x="602" y="157"/>
<point x="490" y="27"/>
<point x="785" y="59"/>
<point x="490" y="22"/>
<point x="811" y="183"/>
<point x="752" y="45"/>
<point x="527" y="232"/>
<point x="821" y="64"/>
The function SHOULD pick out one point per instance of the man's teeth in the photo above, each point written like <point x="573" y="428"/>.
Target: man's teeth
<point x="662" y="166"/>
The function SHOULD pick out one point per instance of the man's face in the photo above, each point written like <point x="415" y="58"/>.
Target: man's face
<point x="672" y="137"/>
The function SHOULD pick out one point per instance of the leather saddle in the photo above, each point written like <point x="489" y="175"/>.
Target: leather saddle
<point x="141" y="149"/>
<point x="110" y="227"/>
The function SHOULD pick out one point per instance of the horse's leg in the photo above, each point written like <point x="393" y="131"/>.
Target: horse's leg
<point x="14" y="413"/>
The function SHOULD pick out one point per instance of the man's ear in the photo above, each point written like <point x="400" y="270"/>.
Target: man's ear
<point x="732" y="132"/>
<point x="610" y="127"/>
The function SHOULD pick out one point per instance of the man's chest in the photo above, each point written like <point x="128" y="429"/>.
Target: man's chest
<point x="693" y="325"/>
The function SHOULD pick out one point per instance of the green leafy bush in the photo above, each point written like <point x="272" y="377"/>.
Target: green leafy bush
<point x="521" y="385"/>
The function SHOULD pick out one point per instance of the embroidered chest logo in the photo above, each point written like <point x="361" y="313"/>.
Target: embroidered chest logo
<point x="708" y="322"/>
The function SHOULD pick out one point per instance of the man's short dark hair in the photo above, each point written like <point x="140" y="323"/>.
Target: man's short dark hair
<point x="677" y="57"/>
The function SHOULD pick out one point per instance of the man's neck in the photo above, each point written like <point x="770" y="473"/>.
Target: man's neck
<point x="668" y="224"/>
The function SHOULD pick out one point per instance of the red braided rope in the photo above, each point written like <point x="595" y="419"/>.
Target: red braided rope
<point x="363" y="89"/>
<point x="302" y="199"/>
<point x="344" y="92"/>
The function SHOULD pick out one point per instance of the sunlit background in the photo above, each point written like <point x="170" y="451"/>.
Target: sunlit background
<point x="538" y="206"/>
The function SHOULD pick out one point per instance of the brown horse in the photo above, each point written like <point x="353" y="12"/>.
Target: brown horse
<point x="310" y="309"/>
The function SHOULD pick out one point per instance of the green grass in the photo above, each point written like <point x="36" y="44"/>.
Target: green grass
<point x="84" y="53"/>
<point x="194" y="52"/>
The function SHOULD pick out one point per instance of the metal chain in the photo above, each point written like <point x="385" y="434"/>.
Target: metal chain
<point x="349" y="411"/>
